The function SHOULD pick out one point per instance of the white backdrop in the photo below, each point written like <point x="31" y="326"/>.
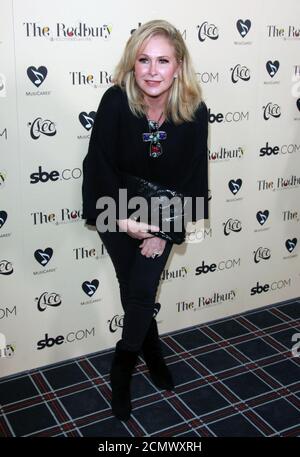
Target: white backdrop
<point x="59" y="295"/>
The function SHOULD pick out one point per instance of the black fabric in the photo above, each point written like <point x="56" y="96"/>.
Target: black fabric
<point x="138" y="277"/>
<point x="116" y="145"/>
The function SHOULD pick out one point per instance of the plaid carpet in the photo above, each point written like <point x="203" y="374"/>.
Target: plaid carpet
<point x="234" y="377"/>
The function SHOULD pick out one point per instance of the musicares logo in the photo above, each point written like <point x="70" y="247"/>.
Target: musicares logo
<point x="87" y="119"/>
<point x="40" y="127"/>
<point x="37" y="75"/>
<point x="262" y="216"/>
<point x="43" y="257"/>
<point x="90" y="288"/>
<point x="272" y="67"/>
<point x="243" y="27"/>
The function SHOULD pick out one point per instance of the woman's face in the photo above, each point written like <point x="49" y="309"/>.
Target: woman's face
<point x="155" y="66"/>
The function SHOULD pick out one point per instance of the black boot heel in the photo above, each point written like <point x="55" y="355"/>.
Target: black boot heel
<point x="152" y="352"/>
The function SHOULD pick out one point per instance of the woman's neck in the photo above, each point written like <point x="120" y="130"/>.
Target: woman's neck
<point x="156" y="104"/>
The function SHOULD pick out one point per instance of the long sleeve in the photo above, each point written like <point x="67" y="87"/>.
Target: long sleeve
<point x="195" y="183"/>
<point x="100" y="175"/>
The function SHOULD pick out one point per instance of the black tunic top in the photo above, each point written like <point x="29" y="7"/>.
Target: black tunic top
<point x="117" y="145"/>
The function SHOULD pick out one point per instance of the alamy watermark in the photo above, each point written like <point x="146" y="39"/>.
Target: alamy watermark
<point x="296" y="347"/>
<point x="169" y="214"/>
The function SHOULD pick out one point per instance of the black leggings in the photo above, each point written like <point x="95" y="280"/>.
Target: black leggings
<point x="138" y="278"/>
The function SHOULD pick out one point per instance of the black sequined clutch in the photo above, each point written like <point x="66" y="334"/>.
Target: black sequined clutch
<point x="161" y="211"/>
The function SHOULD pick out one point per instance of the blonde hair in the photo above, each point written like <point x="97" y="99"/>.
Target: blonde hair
<point x="185" y="93"/>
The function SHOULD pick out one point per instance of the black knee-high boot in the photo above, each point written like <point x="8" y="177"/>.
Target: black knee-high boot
<point x="120" y="376"/>
<point x="152" y="352"/>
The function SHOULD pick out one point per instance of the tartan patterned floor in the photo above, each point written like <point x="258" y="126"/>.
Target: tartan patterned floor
<point x="234" y="377"/>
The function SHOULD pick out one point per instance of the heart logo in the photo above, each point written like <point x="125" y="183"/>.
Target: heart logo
<point x="291" y="244"/>
<point x="235" y="185"/>
<point x="262" y="216"/>
<point x="3" y="217"/>
<point x="243" y="27"/>
<point x="37" y="75"/>
<point x="298" y="103"/>
<point x="272" y="67"/>
<point x="90" y="287"/>
<point x="87" y="120"/>
<point x="43" y="257"/>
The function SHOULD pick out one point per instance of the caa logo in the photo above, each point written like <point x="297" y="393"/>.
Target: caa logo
<point x="41" y="127"/>
<point x="271" y="110"/>
<point x="6" y="268"/>
<point x="232" y="225"/>
<point x="240" y="72"/>
<point x="48" y="299"/>
<point x="207" y="30"/>
<point x="115" y="323"/>
<point x="261" y="254"/>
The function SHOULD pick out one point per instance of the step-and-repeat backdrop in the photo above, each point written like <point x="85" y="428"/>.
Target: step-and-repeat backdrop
<point x="59" y="297"/>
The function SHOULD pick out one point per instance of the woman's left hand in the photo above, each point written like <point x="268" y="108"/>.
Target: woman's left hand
<point x="151" y="245"/>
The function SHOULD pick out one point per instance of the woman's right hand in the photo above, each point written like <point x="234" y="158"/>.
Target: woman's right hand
<point x="136" y="229"/>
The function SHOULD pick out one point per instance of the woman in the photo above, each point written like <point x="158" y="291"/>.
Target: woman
<point x="154" y="84"/>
